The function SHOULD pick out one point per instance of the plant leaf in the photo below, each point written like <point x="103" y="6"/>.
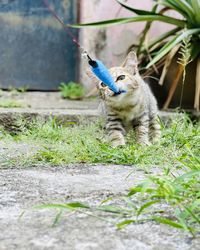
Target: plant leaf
<point x="139" y="189"/>
<point x="57" y="218"/>
<point x="53" y="206"/>
<point x="77" y="205"/>
<point x="124" y="223"/>
<point x="146" y="205"/>
<point x="172" y="5"/>
<point x="140" y="18"/>
<point x="112" y="209"/>
<point x="70" y="206"/>
<point x="188" y="175"/>
<point x="166" y="221"/>
<point x="192" y="214"/>
<point x="137" y="11"/>
<point x="162" y="37"/>
<point x="196" y="8"/>
<point x="185" y="7"/>
<point x="168" y="46"/>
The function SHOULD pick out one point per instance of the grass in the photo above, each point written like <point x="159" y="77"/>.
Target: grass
<point x="72" y="90"/>
<point x="171" y="197"/>
<point x="9" y="103"/>
<point x="87" y="143"/>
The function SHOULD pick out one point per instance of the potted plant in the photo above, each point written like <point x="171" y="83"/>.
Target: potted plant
<point x="181" y="43"/>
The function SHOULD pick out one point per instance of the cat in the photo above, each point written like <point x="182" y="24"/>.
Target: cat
<point x="136" y="108"/>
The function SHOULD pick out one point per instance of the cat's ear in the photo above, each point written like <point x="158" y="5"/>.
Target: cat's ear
<point x="131" y="63"/>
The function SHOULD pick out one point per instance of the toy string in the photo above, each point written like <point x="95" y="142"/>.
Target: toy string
<point x="98" y="68"/>
<point x="67" y="29"/>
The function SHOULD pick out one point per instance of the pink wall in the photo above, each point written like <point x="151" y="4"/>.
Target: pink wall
<point x="111" y="44"/>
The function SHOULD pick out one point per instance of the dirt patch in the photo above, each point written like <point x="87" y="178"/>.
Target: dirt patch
<point x="23" y="188"/>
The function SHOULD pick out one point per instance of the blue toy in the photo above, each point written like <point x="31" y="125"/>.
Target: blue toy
<point x="100" y="70"/>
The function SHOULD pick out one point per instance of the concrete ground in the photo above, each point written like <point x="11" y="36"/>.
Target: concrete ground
<point x="20" y="189"/>
<point x="23" y="188"/>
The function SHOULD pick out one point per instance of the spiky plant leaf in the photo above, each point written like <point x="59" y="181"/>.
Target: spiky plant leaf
<point x="152" y="17"/>
<point x="168" y="46"/>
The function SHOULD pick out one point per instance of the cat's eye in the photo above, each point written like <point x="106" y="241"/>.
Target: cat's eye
<point x="103" y="85"/>
<point x="120" y="78"/>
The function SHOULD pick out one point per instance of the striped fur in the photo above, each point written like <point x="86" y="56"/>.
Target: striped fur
<point x="137" y="108"/>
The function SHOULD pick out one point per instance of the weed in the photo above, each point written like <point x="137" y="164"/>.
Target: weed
<point x="21" y="89"/>
<point x="8" y="103"/>
<point x="87" y="143"/>
<point x="71" y="90"/>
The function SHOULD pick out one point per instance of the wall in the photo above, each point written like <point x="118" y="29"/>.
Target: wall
<point x="35" y="50"/>
<point x="111" y="44"/>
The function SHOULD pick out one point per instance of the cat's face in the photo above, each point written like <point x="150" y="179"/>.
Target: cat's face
<point x="123" y="79"/>
<point x="126" y="78"/>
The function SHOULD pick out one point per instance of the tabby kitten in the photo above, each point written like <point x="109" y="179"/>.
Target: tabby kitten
<point x="136" y="108"/>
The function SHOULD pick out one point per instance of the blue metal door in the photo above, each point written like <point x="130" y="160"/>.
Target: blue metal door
<point x="35" y="51"/>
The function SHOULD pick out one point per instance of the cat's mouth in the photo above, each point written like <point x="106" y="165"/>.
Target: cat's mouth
<point x="121" y="91"/>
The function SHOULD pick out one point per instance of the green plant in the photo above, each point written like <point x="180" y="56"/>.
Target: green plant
<point x="86" y="143"/>
<point x="161" y="50"/>
<point x="71" y="90"/>
<point x="18" y="90"/>
<point x="8" y="103"/>
<point x="171" y="199"/>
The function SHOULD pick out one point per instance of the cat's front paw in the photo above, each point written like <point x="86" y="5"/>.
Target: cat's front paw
<point x="117" y="143"/>
<point x="144" y="143"/>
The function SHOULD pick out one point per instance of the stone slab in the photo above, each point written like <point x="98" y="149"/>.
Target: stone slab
<point x="21" y="189"/>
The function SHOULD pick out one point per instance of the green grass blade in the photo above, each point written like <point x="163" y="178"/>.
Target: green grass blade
<point x="192" y="214"/>
<point x="155" y="17"/>
<point x="53" y="206"/>
<point x="70" y="206"/>
<point x="106" y="200"/>
<point x="184" y="224"/>
<point x="124" y="223"/>
<point x="112" y="209"/>
<point x="139" y="189"/>
<point x="146" y="205"/>
<point x="57" y="218"/>
<point x="168" y="46"/>
<point x="77" y="205"/>
<point x="188" y="175"/>
<point x="166" y="221"/>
